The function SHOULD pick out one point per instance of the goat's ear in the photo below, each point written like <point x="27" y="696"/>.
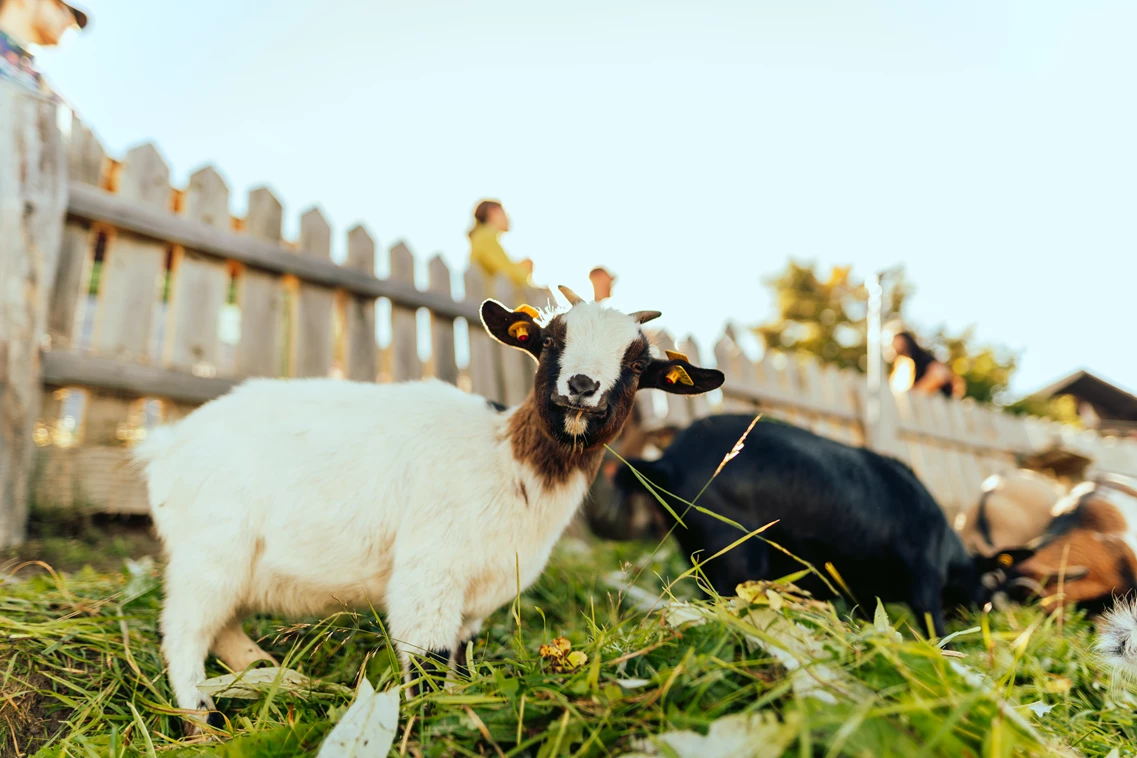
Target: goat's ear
<point x="1003" y="559"/>
<point x="677" y="376"/>
<point x="517" y="328"/>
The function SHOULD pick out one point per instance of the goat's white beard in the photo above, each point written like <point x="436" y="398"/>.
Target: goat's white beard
<point x="576" y="425"/>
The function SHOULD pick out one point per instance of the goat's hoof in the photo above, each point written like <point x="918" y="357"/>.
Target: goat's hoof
<point x="192" y="725"/>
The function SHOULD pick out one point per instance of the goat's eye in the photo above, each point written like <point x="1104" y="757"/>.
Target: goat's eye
<point x="547" y="342"/>
<point x="639" y="366"/>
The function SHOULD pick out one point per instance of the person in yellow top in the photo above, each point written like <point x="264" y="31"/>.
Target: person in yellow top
<point x="490" y="222"/>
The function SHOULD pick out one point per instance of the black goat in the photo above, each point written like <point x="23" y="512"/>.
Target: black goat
<point x="865" y="513"/>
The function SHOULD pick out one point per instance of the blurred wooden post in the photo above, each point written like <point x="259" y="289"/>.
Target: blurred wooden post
<point x="698" y="403"/>
<point x="33" y="199"/>
<point x="362" y="352"/>
<point x="404" y="329"/>
<point x="517" y="368"/>
<point x="678" y="410"/>
<point x="85" y="163"/>
<point x="311" y="348"/>
<point x="260" y="294"/>
<point x="128" y="292"/>
<point x="442" y="328"/>
<point x="200" y="285"/>
<point x="483" y="367"/>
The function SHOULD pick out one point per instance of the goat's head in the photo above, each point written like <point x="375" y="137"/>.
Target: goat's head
<point x="590" y="362"/>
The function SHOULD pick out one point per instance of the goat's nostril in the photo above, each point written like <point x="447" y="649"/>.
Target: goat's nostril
<point x="582" y="386"/>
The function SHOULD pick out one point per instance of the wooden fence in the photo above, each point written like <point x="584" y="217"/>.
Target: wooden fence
<point x="147" y="274"/>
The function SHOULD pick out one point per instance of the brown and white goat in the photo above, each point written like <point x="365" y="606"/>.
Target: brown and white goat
<point x="301" y="496"/>
<point x="1088" y="550"/>
<point x="1014" y="509"/>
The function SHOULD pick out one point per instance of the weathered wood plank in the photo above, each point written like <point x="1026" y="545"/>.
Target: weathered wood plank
<point x="442" y="327"/>
<point x="133" y="265"/>
<point x="362" y="351"/>
<point x="33" y="191"/>
<point x="738" y="394"/>
<point x="404" y="329"/>
<point x="678" y="409"/>
<point x="517" y="368"/>
<point x="483" y="365"/>
<point x="813" y="390"/>
<point x="200" y="284"/>
<point x="65" y="368"/>
<point x="311" y="333"/>
<point x="85" y="161"/>
<point x="251" y="250"/>
<point x="93" y="476"/>
<point x="129" y="294"/>
<point x="699" y="405"/>
<point x="260" y="294"/>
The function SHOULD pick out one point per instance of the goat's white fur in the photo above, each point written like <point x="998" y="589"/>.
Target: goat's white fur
<point x="297" y="496"/>
<point x="595" y="347"/>
<point x="1117" y="639"/>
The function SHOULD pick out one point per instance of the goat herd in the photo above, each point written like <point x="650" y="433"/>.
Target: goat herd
<point x="298" y="496"/>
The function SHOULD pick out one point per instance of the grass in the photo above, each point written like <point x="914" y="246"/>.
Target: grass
<point x="81" y="674"/>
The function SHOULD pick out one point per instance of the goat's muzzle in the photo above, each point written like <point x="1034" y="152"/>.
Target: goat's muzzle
<point x="563" y="402"/>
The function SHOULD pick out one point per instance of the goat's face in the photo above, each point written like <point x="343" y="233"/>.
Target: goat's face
<point x="590" y="362"/>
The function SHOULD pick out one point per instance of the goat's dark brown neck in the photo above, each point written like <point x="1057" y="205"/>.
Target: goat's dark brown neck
<point x="553" y="460"/>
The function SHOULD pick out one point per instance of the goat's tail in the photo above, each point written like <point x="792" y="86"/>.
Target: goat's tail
<point x="1117" y="638"/>
<point x="157" y="442"/>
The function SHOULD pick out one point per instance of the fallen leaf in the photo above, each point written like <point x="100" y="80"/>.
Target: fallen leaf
<point x="681" y="614"/>
<point x="251" y="684"/>
<point x="743" y="735"/>
<point x="882" y="625"/>
<point x="368" y="728"/>
<point x="632" y="684"/>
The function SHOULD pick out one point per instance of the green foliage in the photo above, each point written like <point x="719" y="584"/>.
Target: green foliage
<point x="1063" y="408"/>
<point x="827" y="316"/>
<point x="987" y="370"/>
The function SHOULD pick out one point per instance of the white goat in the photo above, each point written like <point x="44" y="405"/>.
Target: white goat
<point x="299" y="496"/>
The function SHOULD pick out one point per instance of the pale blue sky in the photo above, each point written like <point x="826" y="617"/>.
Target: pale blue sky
<point x="692" y="147"/>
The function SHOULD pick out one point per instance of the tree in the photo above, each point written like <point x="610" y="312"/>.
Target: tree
<point x="987" y="370"/>
<point x="825" y="317"/>
<point x="828" y="318"/>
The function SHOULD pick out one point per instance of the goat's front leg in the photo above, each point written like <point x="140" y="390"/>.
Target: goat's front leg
<point x="200" y="600"/>
<point x="424" y="612"/>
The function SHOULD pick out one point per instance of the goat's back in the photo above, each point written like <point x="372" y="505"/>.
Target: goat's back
<point x="306" y="457"/>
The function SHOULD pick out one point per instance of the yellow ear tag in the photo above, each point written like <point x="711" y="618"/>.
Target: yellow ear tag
<point x="1005" y="560"/>
<point x="676" y="375"/>
<point x="528" y="310"/>
<point x="520" y="331"/>
<point x="674" y="356"/>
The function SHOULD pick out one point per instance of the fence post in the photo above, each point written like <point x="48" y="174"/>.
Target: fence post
<point x="33" y="199"/>
<point x="879" y="407"/>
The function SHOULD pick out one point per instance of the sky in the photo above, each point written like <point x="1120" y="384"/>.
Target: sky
<point x="692" y="148"/>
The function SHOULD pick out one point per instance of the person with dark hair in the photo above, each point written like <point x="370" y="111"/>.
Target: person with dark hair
<point x="32" y="22"/>
<point x="490" y="222"/>
<point x="926" y="374"/>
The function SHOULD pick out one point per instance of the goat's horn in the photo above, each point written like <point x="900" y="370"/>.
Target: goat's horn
<point x="571" y="296"/>
<point x="642" y="317"/>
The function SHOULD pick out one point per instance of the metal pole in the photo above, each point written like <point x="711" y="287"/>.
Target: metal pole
<point x="874" y="356"/>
